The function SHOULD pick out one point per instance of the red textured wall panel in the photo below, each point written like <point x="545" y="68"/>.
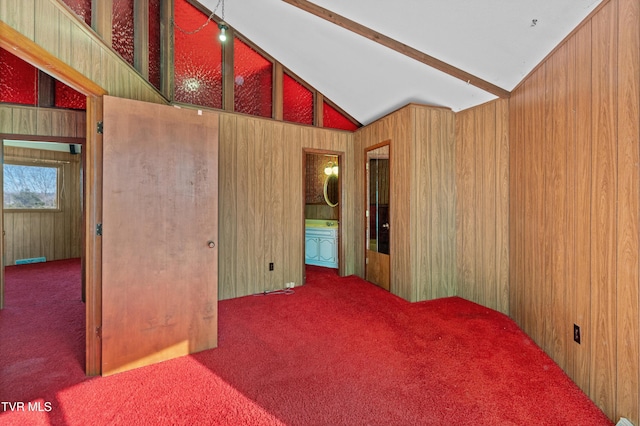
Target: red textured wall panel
<point x="18" y="80"/>
<point x="334" y="119"/>
<point x="122" y="29"/>
<point x="298" y="102"/>
<point x="198" y="58"/>
<point x="66" y="97"/>
<point x="253" y="77"/>
<point x="154" y="42"/>
<point x="82" y="8"/>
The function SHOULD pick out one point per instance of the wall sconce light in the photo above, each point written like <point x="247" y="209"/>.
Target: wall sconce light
<point x="223" y="28"/>
<point x="331" y="169"/>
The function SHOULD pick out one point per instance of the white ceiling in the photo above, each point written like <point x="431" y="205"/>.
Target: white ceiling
<point x="495" y="40"/>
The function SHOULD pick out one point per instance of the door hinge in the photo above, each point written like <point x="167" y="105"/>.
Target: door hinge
<point x="100" y="127"/>
<point x="366" y="213"/>
<point x="366" y="261"/>
<point x="99" y="229"/>
<point x="99" y="332"/>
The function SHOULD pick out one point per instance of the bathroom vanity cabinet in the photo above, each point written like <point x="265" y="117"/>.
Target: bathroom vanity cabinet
<point x="321" y="246"/>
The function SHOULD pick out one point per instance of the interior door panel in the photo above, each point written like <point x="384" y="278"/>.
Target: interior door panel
<point x="160" y="230"/>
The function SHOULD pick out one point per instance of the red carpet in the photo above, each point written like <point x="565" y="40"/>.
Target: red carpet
<point x="338" y="352"/>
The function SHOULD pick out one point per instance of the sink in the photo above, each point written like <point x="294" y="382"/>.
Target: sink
<point x="320" y="223"/>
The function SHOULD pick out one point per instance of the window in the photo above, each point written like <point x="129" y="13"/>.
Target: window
<point x="82" y="8"/>
<point x="31" y="186"/>
<point x="122" y="29"/>
<point x="253" y="80"/>
<point x="18" y="80"/>
<point x="334" y="119"/>
<point x="298" y="101"/>
<point x="198" y="58"/>
<point x="154" y="42"/>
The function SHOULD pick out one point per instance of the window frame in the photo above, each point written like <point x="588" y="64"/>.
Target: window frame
<point x="54" y="164"/>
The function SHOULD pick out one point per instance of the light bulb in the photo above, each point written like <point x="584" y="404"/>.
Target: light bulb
<point x="223" y="35"/>
<point x="335" y="170"/>
<point x="328" y="170"/>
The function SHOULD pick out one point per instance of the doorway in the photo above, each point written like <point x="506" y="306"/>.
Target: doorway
<point x="378" y="215"/>
<point x="42" y="203"/>
<point x="323" y="208"/>
<point x="42" y="199"/>
<point x="27" y="50"/>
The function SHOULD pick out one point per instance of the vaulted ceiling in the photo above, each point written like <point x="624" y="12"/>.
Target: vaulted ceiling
<point x="497" y="42"/>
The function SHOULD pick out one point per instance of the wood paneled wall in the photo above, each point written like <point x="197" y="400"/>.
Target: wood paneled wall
<point x="574" y="202"/>
<point x="53" y="27"/>
<point x="319" y="211"/>
<point x="262" y="199"/>
<point x="54" y="235"/>
<point x="24" y="120"/>
<point x="482" y="208"/>
<point x="422" y="202"/>
<point x="433" y="204"/>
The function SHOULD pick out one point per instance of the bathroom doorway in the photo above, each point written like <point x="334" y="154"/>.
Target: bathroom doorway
<point x="323" y="208"/>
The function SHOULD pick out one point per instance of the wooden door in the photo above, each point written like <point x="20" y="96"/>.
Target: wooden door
<point x="378" y="250"/>
<point x="160" y="229"/>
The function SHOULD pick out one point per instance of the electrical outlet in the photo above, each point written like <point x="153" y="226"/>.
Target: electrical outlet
<point x="576" y="333"/>
<point x="271" y="266"/>
<point x="290" y="285"/>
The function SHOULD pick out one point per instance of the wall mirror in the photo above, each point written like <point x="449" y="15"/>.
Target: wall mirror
<point x="378" y="197"/>
<point x="331" y="190"/>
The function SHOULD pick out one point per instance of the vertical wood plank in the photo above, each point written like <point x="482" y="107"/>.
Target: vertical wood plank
<point x="47" y="17"/>
<point x="64" y="39"/>
<point x="502" y="206"/>
<point x="260" y="207"/>
<point x="402" y="153"/>
<point x="603" y="225"/>
<point x="557" y="187"/>
<point x="582" y="313"/>
<point x="246" y="137"/>
<point x="528" y="280"/>
<point x="283" y="194"/>
<point x="294" y="206"/>
<point x="437" y="207"/>
<point x="6" y="119"/>
<point x="465" y="202"/>
<point x="515" y="206"/>
<point x="478" y="205"/>
<point x="25" y="121"/>
<point x="628" y="258"/>
<point x="488" y="211"/>
<point x="447" y="134"/>
<point x="228" y="242"/>
<point x="571" y="203"/>
<point x="424" y="259"/>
